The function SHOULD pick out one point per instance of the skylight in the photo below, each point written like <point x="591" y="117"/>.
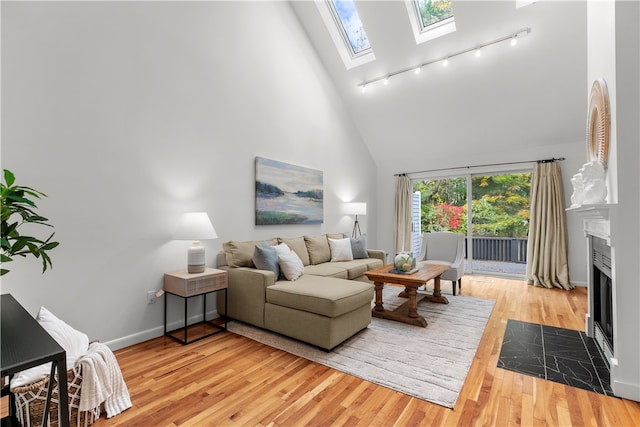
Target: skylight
<point x="347" y="16"/>
<point x="433" y="11"/>
<point x="430" y="18"/>
<point x="347" y="31"/>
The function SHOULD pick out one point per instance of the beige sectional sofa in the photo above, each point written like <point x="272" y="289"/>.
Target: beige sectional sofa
<point x="329" y="303"/>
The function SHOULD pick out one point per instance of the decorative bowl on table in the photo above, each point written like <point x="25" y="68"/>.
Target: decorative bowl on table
<point x="404" y="262"/>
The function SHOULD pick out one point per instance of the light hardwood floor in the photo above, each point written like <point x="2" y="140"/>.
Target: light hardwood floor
<point x="229" y="380"/>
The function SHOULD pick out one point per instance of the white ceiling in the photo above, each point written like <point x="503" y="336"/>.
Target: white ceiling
<point x="511" y="97"/>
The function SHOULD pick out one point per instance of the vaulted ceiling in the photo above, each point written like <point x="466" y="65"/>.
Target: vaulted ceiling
<point x="532" y="94"/>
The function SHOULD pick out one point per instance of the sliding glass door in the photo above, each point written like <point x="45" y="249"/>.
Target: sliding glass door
<point x="500" y="223"/>
<point x="492" y="210"/>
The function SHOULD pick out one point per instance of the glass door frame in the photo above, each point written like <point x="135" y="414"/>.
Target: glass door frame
<point x="468" y="174"/>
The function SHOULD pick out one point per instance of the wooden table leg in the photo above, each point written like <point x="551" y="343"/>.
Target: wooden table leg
<point x="378" y="288"/>
<point x="437" y="295"/>
<point x="436" y="287"/>
<point x="413" y="305"/>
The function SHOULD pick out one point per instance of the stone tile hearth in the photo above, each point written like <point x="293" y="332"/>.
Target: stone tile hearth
<point x="561" y="355"/>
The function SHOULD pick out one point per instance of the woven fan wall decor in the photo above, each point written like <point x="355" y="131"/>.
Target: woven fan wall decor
<point x="598" y="123"/>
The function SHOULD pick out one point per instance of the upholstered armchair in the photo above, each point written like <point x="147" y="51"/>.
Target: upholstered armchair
<point x="444" y="247"/>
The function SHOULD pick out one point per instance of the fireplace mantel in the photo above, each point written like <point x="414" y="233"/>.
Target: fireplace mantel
<point x="597" y="219"/>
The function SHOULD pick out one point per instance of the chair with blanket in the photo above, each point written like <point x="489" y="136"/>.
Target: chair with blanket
<point x="444" y="247"/>
<point x="94" y="380"/>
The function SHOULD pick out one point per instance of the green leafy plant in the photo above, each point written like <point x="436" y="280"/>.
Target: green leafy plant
<point x="19" y="208"/>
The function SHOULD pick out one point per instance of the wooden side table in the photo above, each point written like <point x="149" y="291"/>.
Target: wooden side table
<point x="185" y="285"/>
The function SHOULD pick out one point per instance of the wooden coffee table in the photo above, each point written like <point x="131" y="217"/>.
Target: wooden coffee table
<point x="407" y="312"/>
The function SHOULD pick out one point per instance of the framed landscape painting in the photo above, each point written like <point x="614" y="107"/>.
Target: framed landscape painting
<point x="287" y="194"/>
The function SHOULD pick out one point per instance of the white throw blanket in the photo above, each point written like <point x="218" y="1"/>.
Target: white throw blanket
<point x="102" y="381"/>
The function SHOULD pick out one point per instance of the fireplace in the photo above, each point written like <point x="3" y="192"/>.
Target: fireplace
<point x="600" y="322"/>
<point x="602" y="294"/>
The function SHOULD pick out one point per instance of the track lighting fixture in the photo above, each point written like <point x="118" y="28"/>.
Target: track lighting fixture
<point x="513" y="38"/>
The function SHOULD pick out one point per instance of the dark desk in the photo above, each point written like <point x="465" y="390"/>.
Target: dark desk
<point x="25" y="344"/>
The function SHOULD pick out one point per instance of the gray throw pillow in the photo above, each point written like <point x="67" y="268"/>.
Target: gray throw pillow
<point x="359" y="247"/>
<point x="265" y="257"/>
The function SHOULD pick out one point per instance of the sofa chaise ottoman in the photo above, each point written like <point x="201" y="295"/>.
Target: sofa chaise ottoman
<point x="328" y="303"/>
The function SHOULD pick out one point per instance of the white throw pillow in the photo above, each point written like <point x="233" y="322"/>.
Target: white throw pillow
<point x="340" y="250"/>
<point x="282" y="249"/>
<point x="74" y="342"/>
<point x="291" y="265"/>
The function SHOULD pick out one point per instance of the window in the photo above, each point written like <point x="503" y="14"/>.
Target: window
<point x="433" y="11"/>
<point x="345" y="27"/>
<point x="430" y="18"/>
<point x="498" y="208"/>
<point x="346" y="16"/>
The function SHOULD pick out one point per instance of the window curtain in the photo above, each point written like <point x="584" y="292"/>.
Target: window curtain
<point x="402" y="218"/>
<point x="547" y="264"/>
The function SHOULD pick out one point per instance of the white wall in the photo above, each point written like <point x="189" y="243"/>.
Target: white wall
<point x="614" y="54"/>
<point x="127" y="114"/>
<point x="574" y="152"/>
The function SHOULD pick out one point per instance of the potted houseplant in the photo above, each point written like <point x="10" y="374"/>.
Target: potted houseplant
<point x="19" y="208"/>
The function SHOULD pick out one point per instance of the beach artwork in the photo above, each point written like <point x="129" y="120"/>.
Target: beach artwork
<point x="287" y="194"/>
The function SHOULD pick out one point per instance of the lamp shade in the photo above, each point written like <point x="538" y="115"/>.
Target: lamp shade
<point x="195" y="226"/>
<point x="355" y="208"/>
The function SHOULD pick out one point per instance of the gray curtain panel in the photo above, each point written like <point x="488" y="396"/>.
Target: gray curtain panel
<point x="547" y="264"/>
<point x="402" y="215"/>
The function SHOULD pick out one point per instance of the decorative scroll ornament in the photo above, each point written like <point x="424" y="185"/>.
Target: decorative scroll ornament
<point x="598" y="124"/>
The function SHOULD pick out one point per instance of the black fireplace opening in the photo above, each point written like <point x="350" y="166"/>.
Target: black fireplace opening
<point x="603" y="289"/>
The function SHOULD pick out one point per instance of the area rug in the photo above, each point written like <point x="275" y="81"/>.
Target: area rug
<point x="428" y="363"/>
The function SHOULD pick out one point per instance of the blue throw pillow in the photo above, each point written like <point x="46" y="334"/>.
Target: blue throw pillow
<point x="359" y="247"/>
<point x="265" y="257"/>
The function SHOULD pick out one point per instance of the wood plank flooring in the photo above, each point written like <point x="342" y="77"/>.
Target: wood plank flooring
<point x="229" y="380"/>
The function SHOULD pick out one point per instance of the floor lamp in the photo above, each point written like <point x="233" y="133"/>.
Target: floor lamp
<point x="356" y="208"/>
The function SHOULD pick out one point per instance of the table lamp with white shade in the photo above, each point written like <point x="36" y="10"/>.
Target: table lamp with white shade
<point x="356" y="208"/>
<point x="195" y="226"/>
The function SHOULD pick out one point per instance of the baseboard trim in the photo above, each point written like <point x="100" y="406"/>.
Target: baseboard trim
<point x="155" y="332"/>
<point x="626" y="390"/>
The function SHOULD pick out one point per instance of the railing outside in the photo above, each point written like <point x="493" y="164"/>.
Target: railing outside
<point x="505" y="249"/>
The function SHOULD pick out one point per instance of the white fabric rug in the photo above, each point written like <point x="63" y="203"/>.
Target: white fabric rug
<point x="428" y="363"/>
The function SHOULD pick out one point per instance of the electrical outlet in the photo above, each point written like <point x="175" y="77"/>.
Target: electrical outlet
<point x="151" y="297"/>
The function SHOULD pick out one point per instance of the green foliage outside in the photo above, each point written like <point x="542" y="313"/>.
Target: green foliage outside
<point x="500" y="205"/>
<point x="433" y="11"/>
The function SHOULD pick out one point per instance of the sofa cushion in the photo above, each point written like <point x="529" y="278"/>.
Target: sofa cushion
<point x="299" y="247"/>
<point x="265" y="257"/>
<point x="358" y="267"/>
<point x="240" y="254"/>
<point x="291" y="265"/>
<point x="340" y="250"/>
<point x="327" y="269"/>
<point x="321" y="295"/>
<point x="318" y="248"/>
